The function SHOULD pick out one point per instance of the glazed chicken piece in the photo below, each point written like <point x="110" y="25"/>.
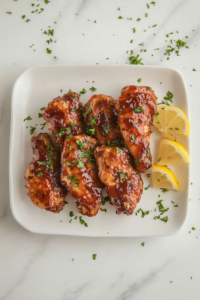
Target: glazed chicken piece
<point x="100" y="120"/>
<point x="43" y="175"/>
<point x="135" y="108"/>
<point x="79" y="173"/>
<point x="123" y="183"/>
<point x="63" y="117"/>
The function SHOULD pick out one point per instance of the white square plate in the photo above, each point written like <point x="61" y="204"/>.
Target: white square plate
<point x="39" y="85"/>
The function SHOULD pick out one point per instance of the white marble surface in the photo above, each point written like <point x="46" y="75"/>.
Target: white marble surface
<point x="40" y="267"/>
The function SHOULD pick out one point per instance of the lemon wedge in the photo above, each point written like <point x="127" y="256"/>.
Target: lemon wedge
<point x="171" y="121"/>
<point x="163" y="177"/>
<point x="172" y="153"/>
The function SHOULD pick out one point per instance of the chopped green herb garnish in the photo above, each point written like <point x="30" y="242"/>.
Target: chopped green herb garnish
<point x="104" y="200"/>
<point x="180" y="44"/>
<point x="50" y="41"/>
<point x="135" y="60"/>
<point x="71" y="214"/>
<point x="165" y="219"/>
<point x="117" y="150"/>
<point x="81" y="146"/>
<point x="40" y="115"/>
<point x="106" y="129"/>
<point x="169" y="96"/>
<point x="92" y="121"/>
<point x="94" y="256"/>
<point x="32" y="129"/>
<point x="164" y="190"/>
<point x="48" y="50"/>
<point x="122" y="175"/>
<point x="113" y="143"/>
<point x="138" y="109"/>
<point x="138" y="160"/>
<point x="83" y="91"/>
<point x="132" y="138"/>
<point x="85" y="114"/>
<point x="139" y="79"/>
<point x="93" y="89"/>
<point x="90" y="131"/>
<point x="39" y="174"/>
<point x="80" y="164"/>
<point x="144" y="213"/>
<point x="43" y="125"/>
<point x="147" y="187"/>
<point x="103" y="209"/>
<point x="28" y="118"/>
<point x="148" y="153"/>
<point x="143" y="244"/>
<point x="83" y="222"/>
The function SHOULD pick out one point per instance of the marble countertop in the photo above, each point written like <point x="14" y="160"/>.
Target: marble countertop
<point x="36" y="266"/>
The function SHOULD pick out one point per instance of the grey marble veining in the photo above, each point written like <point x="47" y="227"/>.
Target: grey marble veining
<point x="41" y="267"/>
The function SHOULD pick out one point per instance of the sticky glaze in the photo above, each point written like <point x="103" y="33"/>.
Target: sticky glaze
<point x="125" y="192"/>
<point x="101" y="109"/>
<point x="61" y="113"/>
<point x="135" y="127"/>
<point x="83" y="183"/>
<point x="43" y="181"/>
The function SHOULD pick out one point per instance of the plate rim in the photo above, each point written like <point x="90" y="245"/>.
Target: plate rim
<point x="11" y="198"/>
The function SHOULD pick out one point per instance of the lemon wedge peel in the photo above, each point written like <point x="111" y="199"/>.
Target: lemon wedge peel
<point x="167" y="124"/>
<point x="162" y="177"/>
<point x="172" y="153"/>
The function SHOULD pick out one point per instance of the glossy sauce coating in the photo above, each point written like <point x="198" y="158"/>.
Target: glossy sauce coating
<point x="63" y="117"/>
<point x="43" y="175"/>
<point x="123" y="183"/>
<point x="135" y="109"/>
<point x="79" y="173"/>
<point x="99" y="116"/>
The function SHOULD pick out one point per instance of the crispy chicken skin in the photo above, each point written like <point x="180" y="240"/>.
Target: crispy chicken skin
<point x="99" y="117"/>
<point x="43" y="175"/>
<point x="63" y="117"/>
<point x="123" y="183"/>
<point x="135" y="109"/>
<point x="79" y="173"/>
